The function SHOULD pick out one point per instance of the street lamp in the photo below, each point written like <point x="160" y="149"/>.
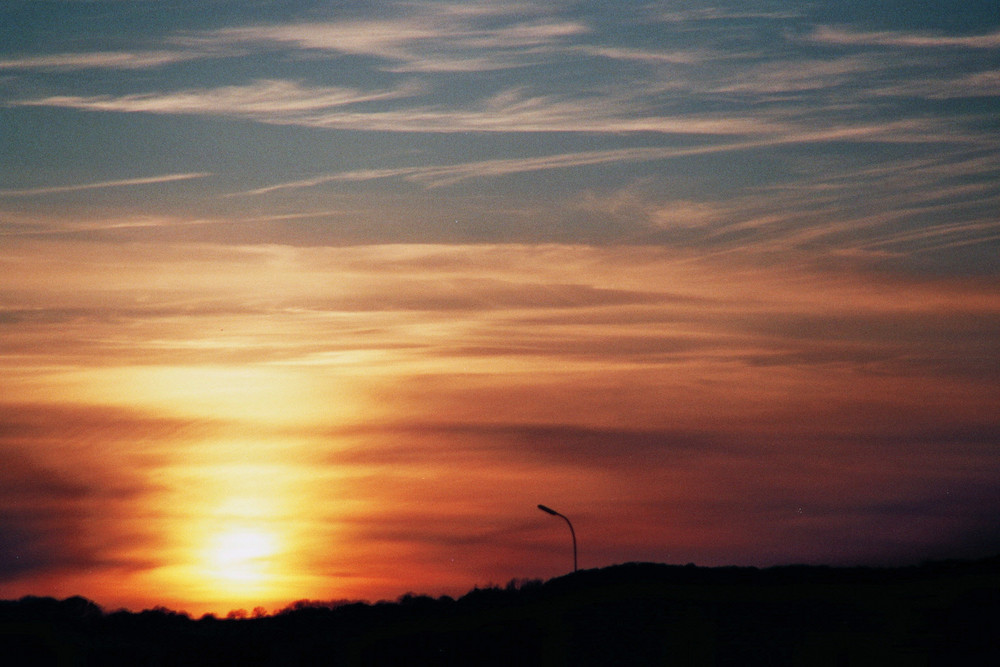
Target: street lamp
<point x="549" y="510"/>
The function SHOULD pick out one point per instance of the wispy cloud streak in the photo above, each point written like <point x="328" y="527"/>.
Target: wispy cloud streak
<point x="126" y="182"/>
<point x="427" y="38"/>
<point x="268" y="100"/>
<point x="848" y="37"/>
<point x="123" y="60"/>
<point x="290" y="103"/>
<point x="444" y="175"/>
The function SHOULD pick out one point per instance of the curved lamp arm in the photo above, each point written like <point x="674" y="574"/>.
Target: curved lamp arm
<point x="549" y="510"/>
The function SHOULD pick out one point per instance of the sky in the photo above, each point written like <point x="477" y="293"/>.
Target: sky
<point x="319" y="300"/>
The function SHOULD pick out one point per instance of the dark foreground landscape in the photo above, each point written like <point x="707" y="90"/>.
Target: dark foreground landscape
<point x="943" y="613"/>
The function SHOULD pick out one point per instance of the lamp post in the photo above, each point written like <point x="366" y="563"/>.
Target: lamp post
<point x="549" y="510"/>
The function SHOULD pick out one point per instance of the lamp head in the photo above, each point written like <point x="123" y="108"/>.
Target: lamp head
<point x="548" y="510"/>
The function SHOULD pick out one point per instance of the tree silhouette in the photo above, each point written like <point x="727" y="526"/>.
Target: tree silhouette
<point x="632" y="614"/>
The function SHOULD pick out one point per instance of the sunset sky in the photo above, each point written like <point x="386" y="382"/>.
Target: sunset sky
<point x="321" y="299"/>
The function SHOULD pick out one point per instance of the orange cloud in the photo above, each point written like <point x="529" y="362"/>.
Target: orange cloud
<point x="362" y="421"/>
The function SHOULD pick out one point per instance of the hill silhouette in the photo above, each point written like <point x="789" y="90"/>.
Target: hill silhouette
<point x="940" y="613"/>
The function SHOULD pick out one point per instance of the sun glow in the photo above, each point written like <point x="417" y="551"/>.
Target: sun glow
<point x="241" y="557"/>
<point x="235" y="537"/>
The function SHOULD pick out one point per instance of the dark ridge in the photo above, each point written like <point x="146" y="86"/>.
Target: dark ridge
<point x="938" y="613"/>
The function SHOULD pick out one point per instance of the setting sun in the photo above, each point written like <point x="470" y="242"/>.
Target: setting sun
<point x="241" y="557"/>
